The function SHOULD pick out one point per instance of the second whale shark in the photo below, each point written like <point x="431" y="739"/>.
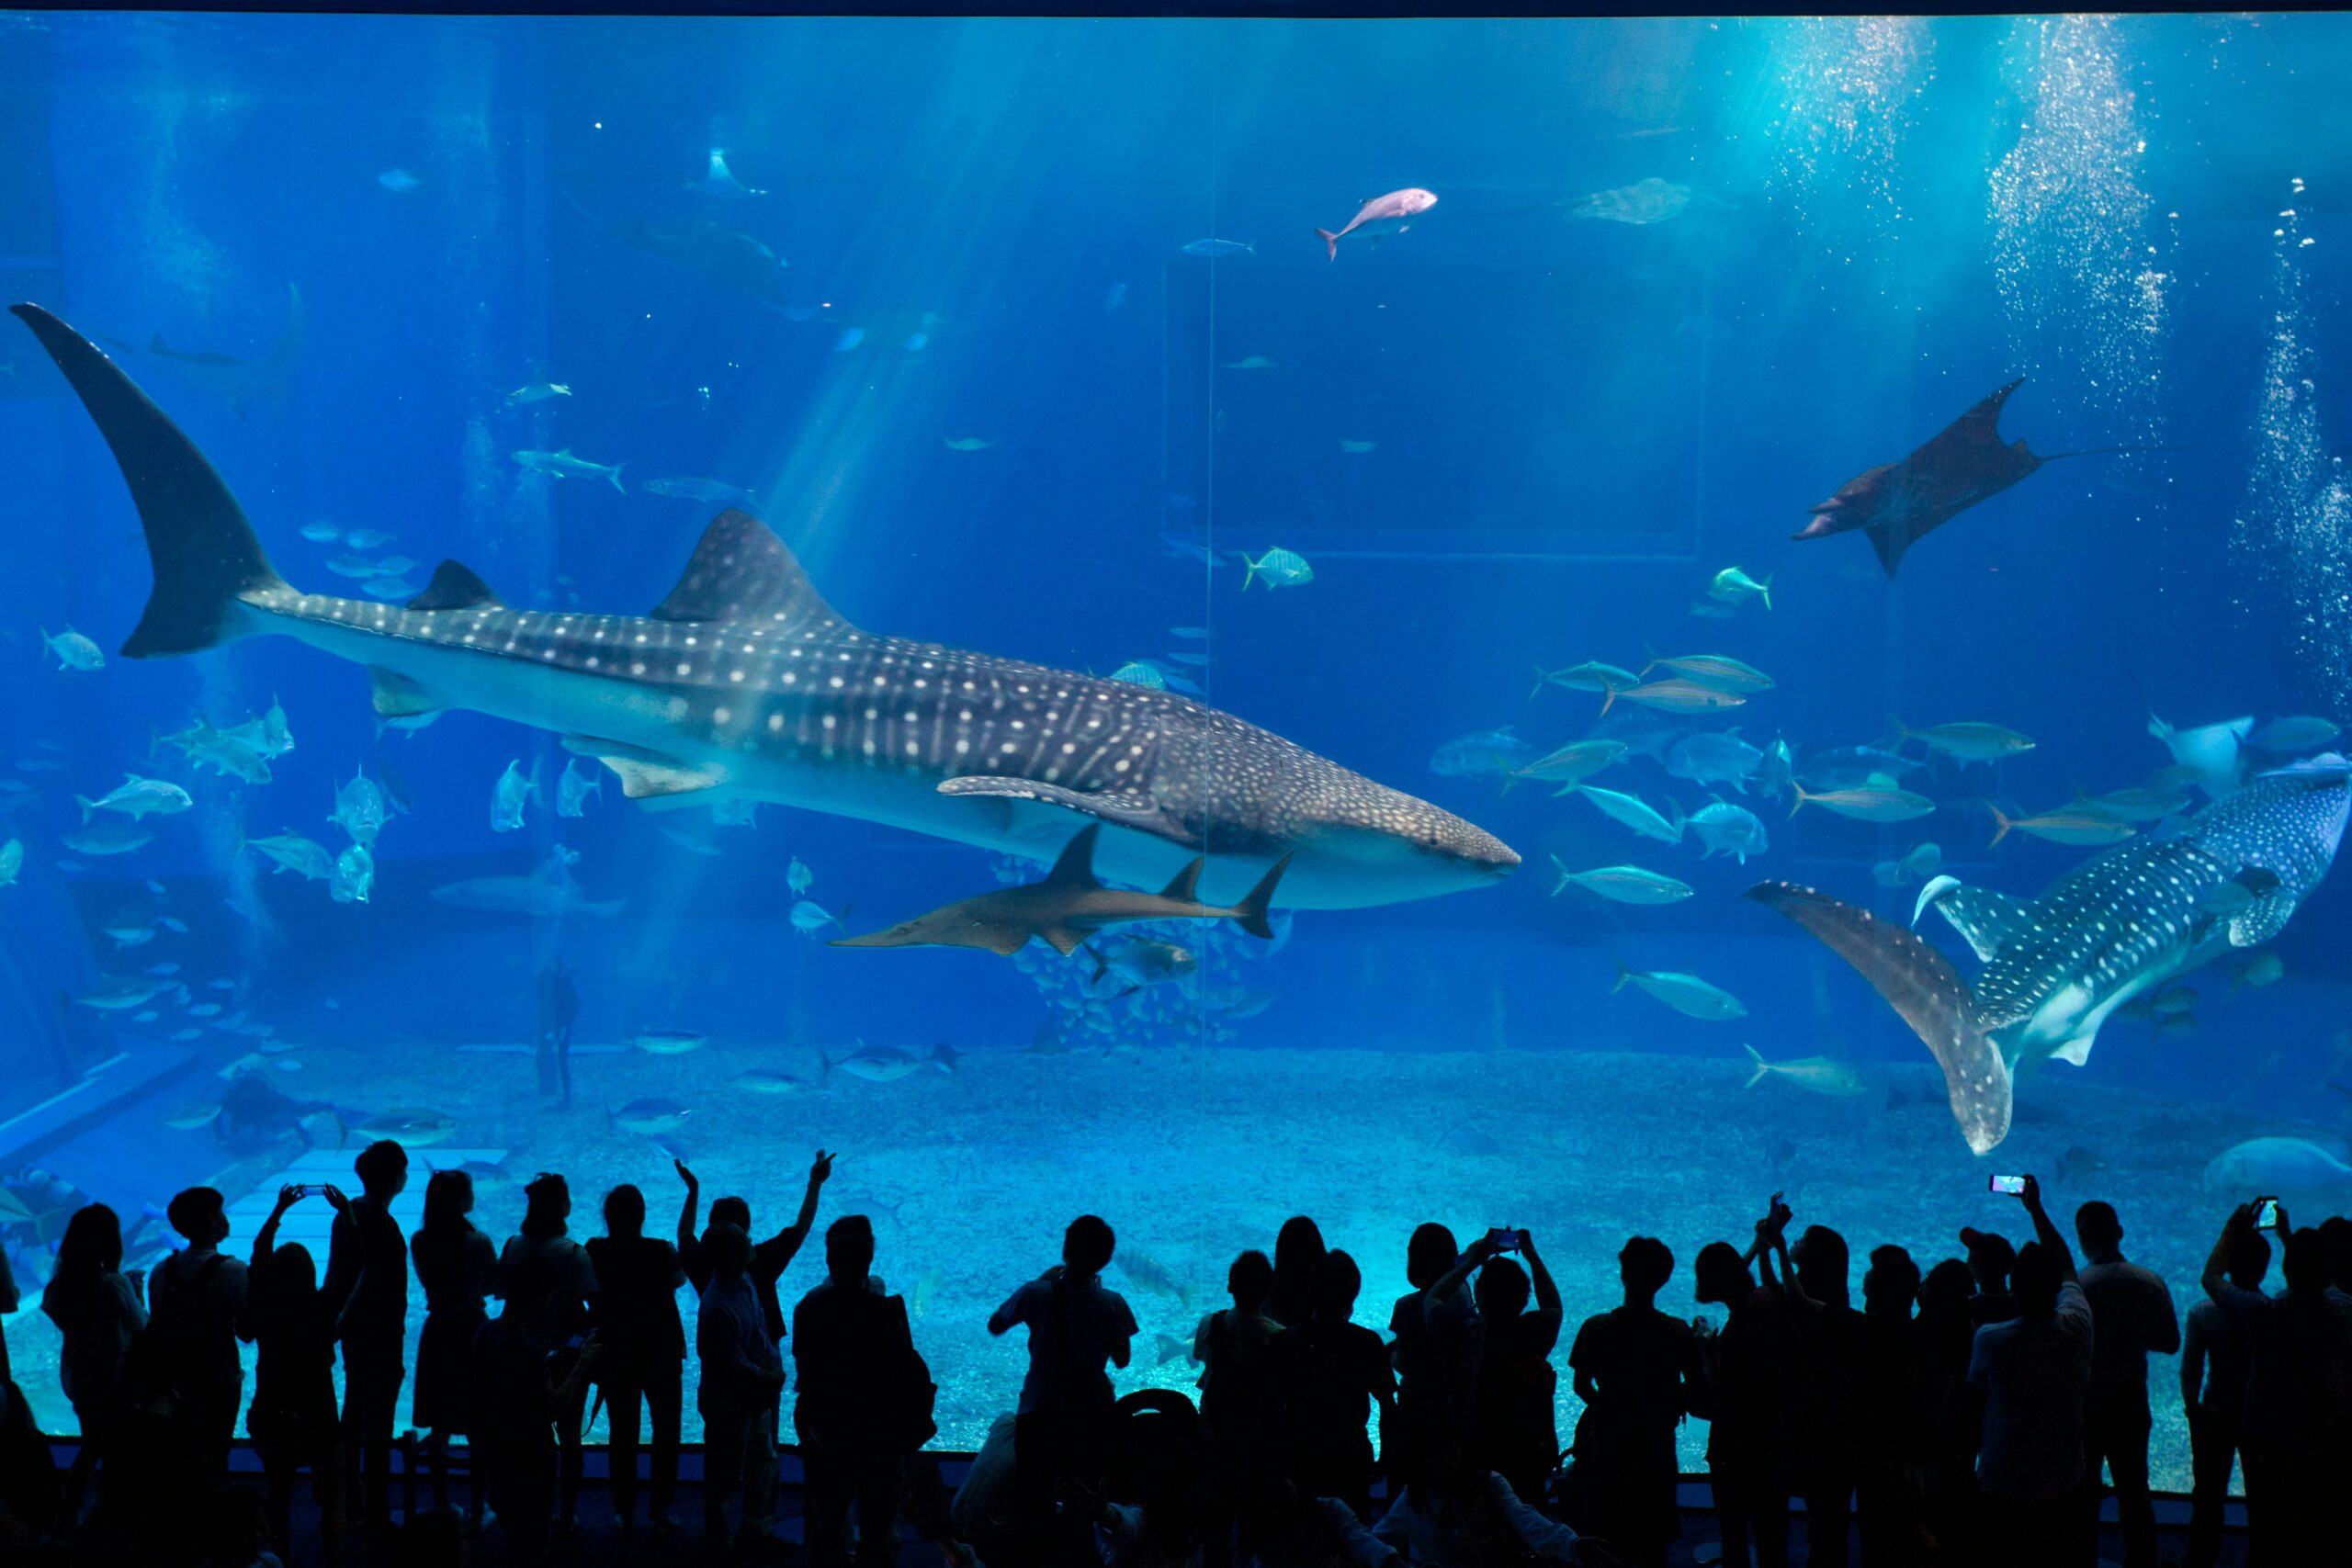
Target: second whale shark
<point x="2125" y="921"/>
<point x="745" y="684"/>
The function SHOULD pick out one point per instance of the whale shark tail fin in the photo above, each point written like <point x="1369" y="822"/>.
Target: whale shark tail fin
<point x="203" y="550"/>
<point x="1924" y="990"/>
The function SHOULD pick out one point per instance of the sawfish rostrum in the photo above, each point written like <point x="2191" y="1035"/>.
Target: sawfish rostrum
<point x="2127" y="920"/>
<point x="745" y="684"/>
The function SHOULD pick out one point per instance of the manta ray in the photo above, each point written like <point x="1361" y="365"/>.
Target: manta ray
<point x="1898" y="504"/>
<point x="745" y="684"/>
<point x="240" y="383"/>
<point x="2127" y="920"/>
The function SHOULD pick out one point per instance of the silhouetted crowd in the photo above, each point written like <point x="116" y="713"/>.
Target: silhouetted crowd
<point x="1966" y="1414"/>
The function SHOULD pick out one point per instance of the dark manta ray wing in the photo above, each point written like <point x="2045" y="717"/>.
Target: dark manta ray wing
<point x="1924" y="990"/>
<point x="1960" y="465"/>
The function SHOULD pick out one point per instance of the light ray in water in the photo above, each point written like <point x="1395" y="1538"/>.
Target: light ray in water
<point x="1847" y="86"/>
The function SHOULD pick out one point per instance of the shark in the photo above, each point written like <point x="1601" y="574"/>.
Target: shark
<point x="2127" y="920"/>
<point x="240" y="383"/>
<point x="1898" y="504"/>
<point x="1068" y="905"/>
<point x="744" y="682"/>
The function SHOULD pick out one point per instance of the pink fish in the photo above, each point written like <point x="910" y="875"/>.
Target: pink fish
<point x="1392" y="213"/>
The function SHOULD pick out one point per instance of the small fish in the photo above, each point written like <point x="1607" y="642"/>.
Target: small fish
<point x="2239" y="893"/>
<point x="1141" y="672"/>
<point x="187" y="1033"/>
<point x="668" y="1042"/>
<point x="967" y="442"/>
<point x="295" y="853"/>
<point x="321" y="533"/>
<point x="889" y="1064"/>
<point x="1589" y="676"/>
<point x="123" y="993"/>
<point x="2173" y="999"/>
<point x="798" y="877"/>
<point x="538" y="392"/>
<point x="563" y="465"/>
<point x="1686" y="994"/>
<point x="692" y="489"/>
<point x="374" y="539"/>
<point x="768" y="1081"/>
<point x="1142" y="962"/>
<point x="1719" y="671"/>
<point x="513" y="791"/>
<point x="356" y="567"/>
<point x="1714" y="758"/>
<point x="1675" y="696"/>
<point x="1817" y="1074"/>
<point x="2067" y="825"/>
<point x="2134" y="804"/>
<point x="572" y="790"/>
<point x="354" y="875"/>
<point x="1636" y="813"/>
<point x="1707" y="610"/>
<point x="1357" y="448"/>
<point x="148" y="1016"/>
<point x="1622" y="883"/>
<point x="389" y="588"/>
<point x="193" y="1115"/>
<point x="2259" y="970"/>
<point x="2285" y="737"/>
<point x="1727" y="830"/>
<point x="809" y="917"/>
<point x="1383" y="215"/>
<point x="1147" y="1274"/>
<point x="399" y="182"/>
<point x="1971" y="742"/>
<point x="204" y="1009"/>
<point x="1280" y="568"/>
<point x="108" y="838"/>
<point x="1869" y="804"/>
<point x="1652" y="200"/>
<point x="1732" y="586"/>
<point x="136" y="797"/>
<point x="1853" y="767"/>
<point x="1254" y="362"/>
<point x="359" y="808"/>
<point x="1568" y="766"/>
<point x="1216" y="248"/>
<point x="1191" y="634"/>
<point x="73" y="650"/>
<point x="129" y="934"/>
<point x="1916" y="864"/>
<point x="1482" y="754"/>
<point x="851" y="337"/>
<point x="12" y="861"/>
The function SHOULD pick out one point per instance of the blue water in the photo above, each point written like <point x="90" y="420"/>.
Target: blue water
<point x="1529" y="430"/>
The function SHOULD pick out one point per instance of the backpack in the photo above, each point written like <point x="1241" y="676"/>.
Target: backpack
<point x="154" y="1363"/>
<point x="913" y="1396"/>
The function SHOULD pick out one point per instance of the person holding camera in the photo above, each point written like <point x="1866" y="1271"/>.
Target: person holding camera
<point x="1747" y="1391"/>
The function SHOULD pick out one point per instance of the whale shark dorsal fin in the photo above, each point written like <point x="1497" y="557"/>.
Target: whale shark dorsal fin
<point x="1075" y="868"/>
<point x="742" y="572"/>
<point x="455" y="586"/>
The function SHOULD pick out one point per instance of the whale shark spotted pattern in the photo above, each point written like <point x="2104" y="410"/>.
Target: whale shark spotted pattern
<point x="2127" y="920"/>
<point x="745" y="684"/>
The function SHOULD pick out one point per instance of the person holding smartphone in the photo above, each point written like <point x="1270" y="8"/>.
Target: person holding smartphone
<point x="2214" y="1361"/>
<point x="2132" y="1317"/>
<point x="2033" y="1373"/>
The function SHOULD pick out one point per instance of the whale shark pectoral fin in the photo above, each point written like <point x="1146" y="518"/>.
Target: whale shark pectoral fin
<point x="647" y="776"/>
<point x="742" y="572"/>
<point x="397" y="696"/>
<point x="1136" y="809"/>
<point x="1987" y="920"/>
<point x="1925" y="990"/>
<point x="2260" y="920"/>
<point x="2078" y="1050"/>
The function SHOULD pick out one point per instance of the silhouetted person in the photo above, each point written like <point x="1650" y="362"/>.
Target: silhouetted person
<point x="1636" y="1370"/>
<point x="2215" y="1358"/>
<point x="1450" y="1512"/>
<point x="1948" y="1408"/>
<point x="643" y="1364"/>
<point x="770" y="1258"/>
<point x="1298" y="1252"/>
<point x="742" y="1377"/>
<point x="2034" y="1372"/>
<point x="1436" y="1362"/>
<point x="1514" y="1430"/>
<point x="1061" y="1425"/>
<point x="547" y="1213"/>
<point x="863" y="1405"/>
<point x="195" y="1298"/>
<point x="2131" y="1318"/>
<point x="525" y="1378"/>
<point x="236" y="1531"/>
<point x="96" y="1307"/>
<point x="291" y="1323"/>
<point x="558" y="1005"/>
<point x="1328" y="1376"/>
<point x="1828" y="1405"/>
<point x="1990" y="1258"/>
<point x="2297" y="1442"/>
<point x="30" y="1498"/>
<point x="1889" y="1443"/>
<point x="1282" y="1527"/>
<point x="435" y="1538"/>
<point x="1231" y="1346"/>
<point x="1745" y="1396"/>
<point x="367" y="1288"/>
<point x="457" y="1268"/>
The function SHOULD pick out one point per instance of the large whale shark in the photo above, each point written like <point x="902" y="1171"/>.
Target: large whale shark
<point x="2126" y="921"/>
<point x="744" y="682"/>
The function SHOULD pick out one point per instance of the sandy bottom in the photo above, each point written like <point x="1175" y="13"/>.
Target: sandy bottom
<point x="1194" y="1155"/>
